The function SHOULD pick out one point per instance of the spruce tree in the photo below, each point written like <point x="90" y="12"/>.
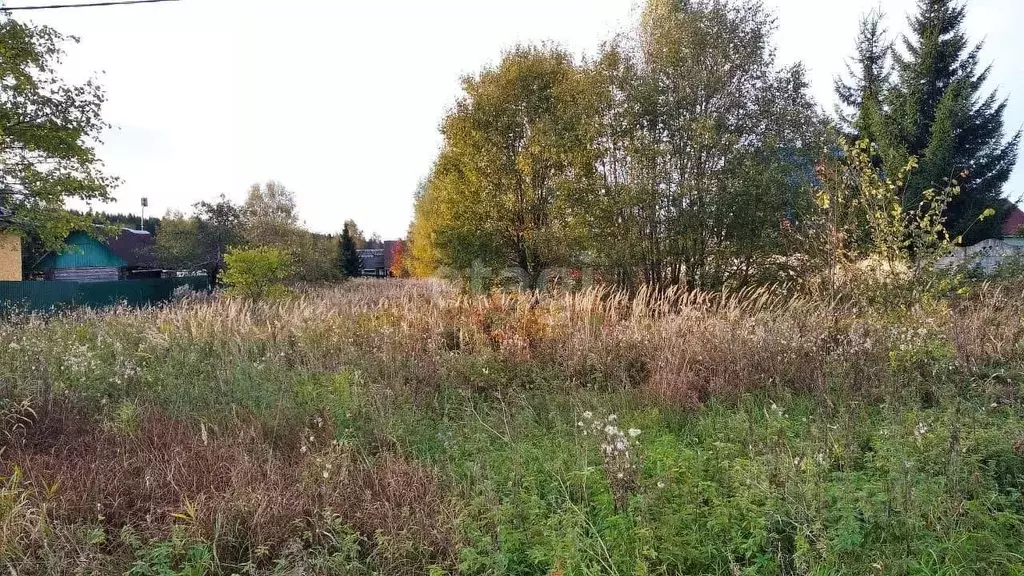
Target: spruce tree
<point x="860" y="109"/>
<point x="348" y="259"/>
<point x="938" y="113"/>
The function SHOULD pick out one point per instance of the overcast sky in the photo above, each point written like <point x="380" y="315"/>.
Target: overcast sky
<point x="341" y="100"/>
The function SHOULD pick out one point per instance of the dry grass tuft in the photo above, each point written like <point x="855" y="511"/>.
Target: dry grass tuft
<point x="988" y="326"/>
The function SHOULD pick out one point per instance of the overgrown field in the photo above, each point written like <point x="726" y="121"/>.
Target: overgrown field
<point x="401" y="428"/>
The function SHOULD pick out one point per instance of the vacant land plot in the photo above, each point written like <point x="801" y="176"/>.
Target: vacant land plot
<point x="402" y="428"/>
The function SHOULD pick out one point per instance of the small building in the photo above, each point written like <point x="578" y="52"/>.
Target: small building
<point x="10" y="257"/>
<point x="128" y="255"/>
<point x="376" y="262"/>
<point x="373" y="262"/>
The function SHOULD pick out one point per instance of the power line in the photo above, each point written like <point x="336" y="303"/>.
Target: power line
<point x="88" y="5"/>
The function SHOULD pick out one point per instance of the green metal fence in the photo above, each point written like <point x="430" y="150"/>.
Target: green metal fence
<point x="43" y="296"/>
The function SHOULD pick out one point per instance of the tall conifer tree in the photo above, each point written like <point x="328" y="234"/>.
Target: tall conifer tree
<point x="860" y="108"/>
<point x="348" y="259"/>
<point x="939" y="114"/>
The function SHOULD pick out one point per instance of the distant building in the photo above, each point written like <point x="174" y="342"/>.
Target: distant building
<point x="128" y="255"/>
<point x="376" y="262"/>
<point x="989" y="255"/>
<point x="1014" y="223"/>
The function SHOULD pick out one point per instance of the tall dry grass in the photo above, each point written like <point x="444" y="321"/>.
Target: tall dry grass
<point x="416" y="337"/>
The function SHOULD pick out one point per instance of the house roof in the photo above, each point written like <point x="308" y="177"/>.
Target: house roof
<point x="372" y="258"/>
<point x="1014" y="223"/>
<point x="135" y="247"/>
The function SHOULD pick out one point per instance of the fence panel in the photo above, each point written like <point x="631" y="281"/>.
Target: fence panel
<point x="32" y="296"/>
<point x="43" y="296"/>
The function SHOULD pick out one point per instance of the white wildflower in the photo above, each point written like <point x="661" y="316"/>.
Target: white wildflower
<point x="634" y="432"/>
<point x="588" y="415"/>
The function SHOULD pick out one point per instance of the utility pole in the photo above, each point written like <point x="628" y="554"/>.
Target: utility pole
<point x="142" y="220"/>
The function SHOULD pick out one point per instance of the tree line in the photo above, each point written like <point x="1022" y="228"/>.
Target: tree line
<point x="683" y="154"/>
<point x="266" y="220"/>
<point x="680" y="154"/>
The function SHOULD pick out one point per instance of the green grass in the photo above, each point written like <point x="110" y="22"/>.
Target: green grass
<point x="743" y="487"/>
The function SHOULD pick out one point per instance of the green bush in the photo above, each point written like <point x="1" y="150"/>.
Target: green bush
<point x="257" y="273"/>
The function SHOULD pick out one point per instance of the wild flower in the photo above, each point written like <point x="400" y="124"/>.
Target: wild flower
<point x="618" y="452"/>
<point x="920" y="431"/>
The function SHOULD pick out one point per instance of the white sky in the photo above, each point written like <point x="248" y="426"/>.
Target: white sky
<point x="340" y="100"/>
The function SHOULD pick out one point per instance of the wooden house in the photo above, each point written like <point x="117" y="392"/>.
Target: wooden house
<point x="128" y="255"/>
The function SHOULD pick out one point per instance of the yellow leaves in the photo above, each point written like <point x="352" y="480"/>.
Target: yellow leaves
<point x="189" y="514"/>
<point x="897" y="228"/>
<point x="823" y="199"/>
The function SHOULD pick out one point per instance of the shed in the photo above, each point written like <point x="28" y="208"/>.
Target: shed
<point x="87" y="258"/>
